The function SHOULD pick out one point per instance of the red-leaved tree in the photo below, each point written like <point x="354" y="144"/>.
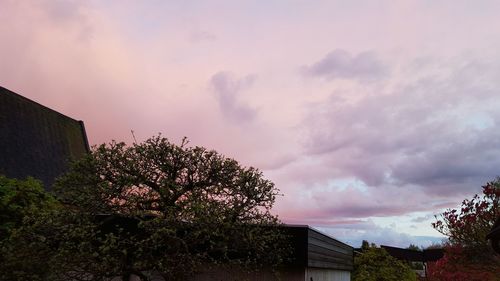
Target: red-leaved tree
<point x="468" y="254"/>
<point x="454" y="267"/>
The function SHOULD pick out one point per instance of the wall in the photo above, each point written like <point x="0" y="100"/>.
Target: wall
<point x="329" y="253"/>
<point x="322" y="274"/>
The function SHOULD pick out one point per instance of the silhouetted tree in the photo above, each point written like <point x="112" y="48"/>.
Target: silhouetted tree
<point x="157" y="208"/>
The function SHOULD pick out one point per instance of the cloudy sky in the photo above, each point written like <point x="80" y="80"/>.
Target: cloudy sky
<point x="370" y="116"/>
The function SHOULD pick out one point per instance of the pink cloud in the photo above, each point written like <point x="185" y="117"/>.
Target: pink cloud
<point x="419" y="137"/>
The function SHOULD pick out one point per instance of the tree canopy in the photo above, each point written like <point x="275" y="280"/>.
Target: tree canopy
<point x="155" y="208"/>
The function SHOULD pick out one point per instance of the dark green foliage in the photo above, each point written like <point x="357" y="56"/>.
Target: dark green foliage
<point x="22" y="203"/>
<point x="414" y="248"/>
<point x="375" y="264"/>
<point x="365" y="245"/>
<point x="19" y="198"/>
<point x="153" y="207"/>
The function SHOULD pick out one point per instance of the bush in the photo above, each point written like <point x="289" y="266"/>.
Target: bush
<point x="375" y="264"/>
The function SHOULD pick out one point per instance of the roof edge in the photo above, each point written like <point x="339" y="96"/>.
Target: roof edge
<point x="36" y="103"/>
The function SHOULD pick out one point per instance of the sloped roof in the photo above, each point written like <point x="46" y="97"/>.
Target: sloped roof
<point x="36" y="140"/>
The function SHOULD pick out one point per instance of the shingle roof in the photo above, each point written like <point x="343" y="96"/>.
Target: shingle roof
<point x="36" y="140"/>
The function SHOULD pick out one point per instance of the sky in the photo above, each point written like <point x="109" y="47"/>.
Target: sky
<point x="370" y="117"/>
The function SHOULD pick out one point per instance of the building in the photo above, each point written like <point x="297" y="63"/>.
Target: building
<point x="412" y="256"/>
<point x="37" y="141"/>
<point x="316" y="257"/>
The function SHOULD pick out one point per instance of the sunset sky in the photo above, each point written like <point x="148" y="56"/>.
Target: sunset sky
<point x="369" y="116"/>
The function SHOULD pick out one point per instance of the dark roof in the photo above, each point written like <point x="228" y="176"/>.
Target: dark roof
<point x="433" y="254"/>
<point x="413" y="255"/>
<point x="36" y="140"/>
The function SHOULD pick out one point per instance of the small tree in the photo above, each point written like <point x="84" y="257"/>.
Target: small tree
<point x="157" y="208"/>
<point x="375" y="264"/>
<point x="414" y="247"/>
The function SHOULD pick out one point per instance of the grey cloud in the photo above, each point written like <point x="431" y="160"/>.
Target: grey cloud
<point x="340" y="64"/>
<point x="436" y="133"/>
<point x="422" y="219"/>
<point x="227" y="89"/>
<point x="64" y="10"/>
<point x="278" y="162"/>
<point x="461" y="165"/>
<point x="70" y="14"/>
<point x="355" y="234"/>
<point x="197" y="36"/>
<point x="324" y="206"/>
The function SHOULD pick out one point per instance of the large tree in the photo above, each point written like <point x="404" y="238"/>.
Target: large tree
<point x="157" y="208"/>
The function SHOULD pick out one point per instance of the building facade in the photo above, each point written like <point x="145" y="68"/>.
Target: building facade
<point x="316" y="257"/>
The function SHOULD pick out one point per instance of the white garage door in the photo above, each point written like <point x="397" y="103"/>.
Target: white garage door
<point x="320" y="274"/>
